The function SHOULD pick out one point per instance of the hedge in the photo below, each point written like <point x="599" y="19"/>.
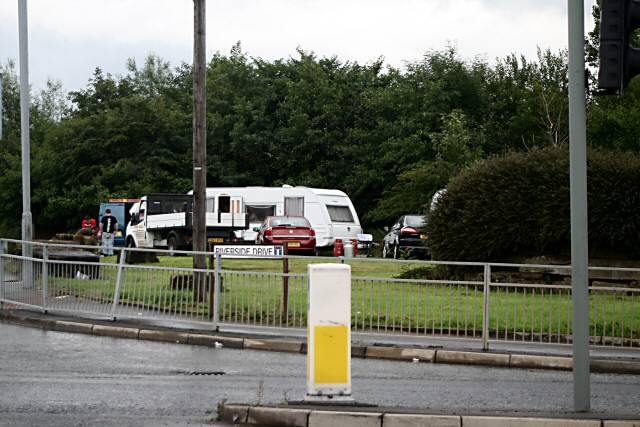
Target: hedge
<point x="517" y="205"/>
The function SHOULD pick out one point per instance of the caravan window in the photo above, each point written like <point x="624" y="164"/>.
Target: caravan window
<point x="340" y="213"/>
<point x="260" y="213"/>
<point x="294" y="206"/>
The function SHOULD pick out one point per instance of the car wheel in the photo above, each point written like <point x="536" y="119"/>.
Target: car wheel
<point x="131" y="243"/>
<point x="172" y="245"/>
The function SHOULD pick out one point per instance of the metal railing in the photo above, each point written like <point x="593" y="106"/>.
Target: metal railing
<point x="547" y="316"/>
<point x="482" y="301"/>
<point x="74" y="278"/>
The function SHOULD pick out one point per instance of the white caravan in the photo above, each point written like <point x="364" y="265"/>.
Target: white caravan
<point x="330" y="212"/>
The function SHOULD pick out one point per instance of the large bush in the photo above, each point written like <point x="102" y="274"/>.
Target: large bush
<point x="517" y="205"/>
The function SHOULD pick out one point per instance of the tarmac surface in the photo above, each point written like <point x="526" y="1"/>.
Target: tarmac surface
<point x="77" y="379"/>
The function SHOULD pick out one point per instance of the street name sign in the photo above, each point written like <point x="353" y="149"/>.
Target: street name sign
<point x="249" y="251"/>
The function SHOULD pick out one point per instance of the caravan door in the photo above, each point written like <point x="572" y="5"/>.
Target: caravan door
<point x="227" y="212"/>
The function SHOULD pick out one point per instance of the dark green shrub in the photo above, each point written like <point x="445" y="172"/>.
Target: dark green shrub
<point x="514" y="206"/>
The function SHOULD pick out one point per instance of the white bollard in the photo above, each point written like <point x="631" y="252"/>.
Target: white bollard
<point x="329" y="334"/>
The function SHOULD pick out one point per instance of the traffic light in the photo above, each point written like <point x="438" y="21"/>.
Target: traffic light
<point x="619" y="61"/>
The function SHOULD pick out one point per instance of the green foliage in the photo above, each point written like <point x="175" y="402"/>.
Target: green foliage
<point x="455" y="147"/>
<point x="613" y="120"/>
<point x="529" y="100"/>
<point x="387" y="137"/>
<point x="517" y="205"/>
<point x="42" y="117"/>
<point x="124" y="137"/>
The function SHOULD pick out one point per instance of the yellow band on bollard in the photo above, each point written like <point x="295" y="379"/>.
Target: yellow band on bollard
<point x="331" y="363"/>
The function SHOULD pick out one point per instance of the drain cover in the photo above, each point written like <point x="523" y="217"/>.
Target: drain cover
<point x="205" y="373"/>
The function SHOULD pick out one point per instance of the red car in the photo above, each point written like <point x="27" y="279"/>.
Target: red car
<point x="294" y="232"/>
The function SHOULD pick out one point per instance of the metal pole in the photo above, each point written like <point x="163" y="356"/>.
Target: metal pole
<point x="119" y="277"/>
<point x="2" y="281"/>
<point x="485" y="307"/>
<point x="211" y="282"/>
<point x="27" y="222"/>
<point x="218" y="286"/>
<point x="45" y="278"/>
<point x="579" y="242"/>
<point x="285" y="286"/>
<point x="199" y="138"/>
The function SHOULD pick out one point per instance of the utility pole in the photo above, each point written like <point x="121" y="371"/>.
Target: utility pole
<point x="27" y="222"/>
<point x="579" y="225"/>
<point x="199" y="144"/>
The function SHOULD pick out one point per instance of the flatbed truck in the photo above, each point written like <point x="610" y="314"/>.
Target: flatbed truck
<point x="165" y="220"/>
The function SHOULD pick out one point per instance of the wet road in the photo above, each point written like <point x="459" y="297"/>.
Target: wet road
<point x="55" y="378"/>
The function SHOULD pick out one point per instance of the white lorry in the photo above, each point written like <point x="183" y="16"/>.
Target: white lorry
<point x="330" y="212"/>
<point x="164" y="220"/>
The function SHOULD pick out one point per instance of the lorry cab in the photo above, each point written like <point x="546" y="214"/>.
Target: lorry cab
<point x="161" y="220"/>
<point x="136" y="235"/>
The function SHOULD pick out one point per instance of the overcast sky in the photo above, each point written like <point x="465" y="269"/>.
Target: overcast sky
<point x="69" y="38"/>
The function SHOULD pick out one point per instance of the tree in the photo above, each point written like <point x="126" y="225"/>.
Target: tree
<point x="456" y="146"/>
<point x="529" y="102"/>
<point x="389" y="137"/>
<point x="11" y="154"/>
<point x="124" y="137"/>
<point x="52" y="102"/>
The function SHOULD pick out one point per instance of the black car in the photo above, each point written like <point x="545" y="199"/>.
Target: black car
<point x="406" y="236"/>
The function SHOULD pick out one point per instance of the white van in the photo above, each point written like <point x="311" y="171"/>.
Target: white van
<point x="330" y="212"/>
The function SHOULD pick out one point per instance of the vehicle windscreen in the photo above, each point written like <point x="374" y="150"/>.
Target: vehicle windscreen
<point x="290" y="221"/>
<point x="414" y="221"/>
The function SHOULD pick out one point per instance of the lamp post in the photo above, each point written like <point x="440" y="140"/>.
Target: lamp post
<point x="27" y="222"/>
<point x="579" y="226"/>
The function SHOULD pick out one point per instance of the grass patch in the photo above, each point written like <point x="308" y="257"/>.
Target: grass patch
<point x="253" y="293"/>
<point x="359" y="266"/>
